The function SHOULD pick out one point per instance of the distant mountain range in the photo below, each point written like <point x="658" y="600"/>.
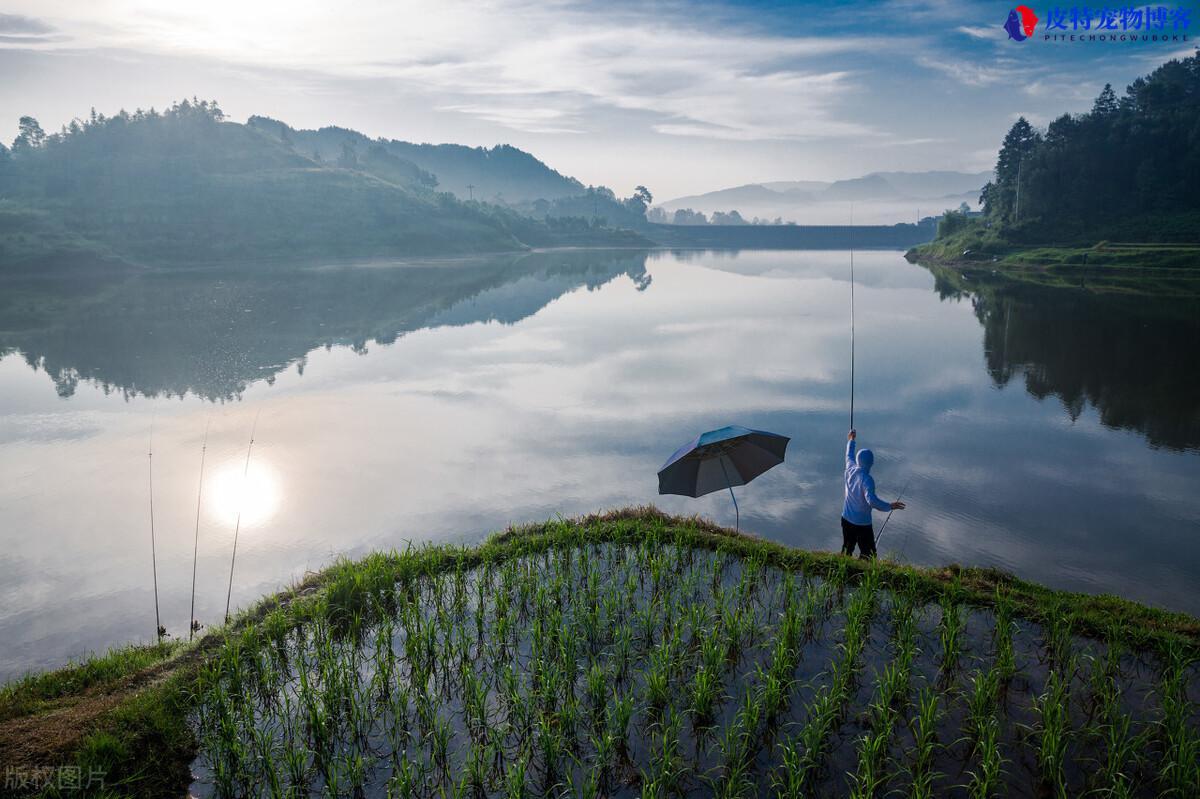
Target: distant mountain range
<point x="879" y="198"/>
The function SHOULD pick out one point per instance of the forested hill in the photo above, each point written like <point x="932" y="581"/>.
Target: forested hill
<point x="1126" y="171"/>
<point x="186" y="185"/>
<point x="502" y="173"/>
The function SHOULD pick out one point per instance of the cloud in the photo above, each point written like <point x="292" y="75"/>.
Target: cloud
<point x="532" y="67"/>
<point x="519" y="117"/>
<point x="27" y="26"/>
<point x="967" y="73"/>
<point x="18" y="32"/>
<point x="976" y="32"/>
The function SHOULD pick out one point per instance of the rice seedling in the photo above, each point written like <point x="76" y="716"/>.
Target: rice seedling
<point x="1052" y="733"/>
<point x="788" y="781"/>
<point x="1002" y="639"/>
<point x="923" y="776"/>
<point x="1179" y="768"/>
<point x="572" y="663"/>
<point x="705" y="694"/>
<point x="666" y="770"/>
<point x="950" y="633"/>
<point x="986" y="778"/>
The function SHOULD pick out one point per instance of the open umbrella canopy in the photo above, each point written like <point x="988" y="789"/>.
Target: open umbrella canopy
<point x="719" y="459"/>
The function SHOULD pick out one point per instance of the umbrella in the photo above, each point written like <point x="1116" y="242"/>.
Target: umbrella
<point x="731" y="456"/>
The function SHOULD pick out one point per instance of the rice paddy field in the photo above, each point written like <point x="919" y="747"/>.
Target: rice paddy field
<point x="637" y="654"/>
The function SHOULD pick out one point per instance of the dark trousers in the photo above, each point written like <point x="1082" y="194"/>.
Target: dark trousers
<point x="861" y="534"/>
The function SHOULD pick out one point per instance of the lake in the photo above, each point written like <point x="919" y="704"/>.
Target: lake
<point x="1051" y="431"/>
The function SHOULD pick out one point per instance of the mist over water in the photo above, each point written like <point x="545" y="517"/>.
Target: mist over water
<point x="403" y="402"/>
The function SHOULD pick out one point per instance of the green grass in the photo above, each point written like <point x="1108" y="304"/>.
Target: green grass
<point x="1116" y="266"/>
<point x="630" y="648"/>
<point x="36" y="691"/>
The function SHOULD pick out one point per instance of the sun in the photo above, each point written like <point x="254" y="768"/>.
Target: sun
<point x="255" y="493"/>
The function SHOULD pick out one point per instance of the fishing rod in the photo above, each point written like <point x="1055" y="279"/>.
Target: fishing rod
<point x="238" y="525"/>
<point x="195" y="625"/>
<point x="890" y="512"/>
<point x="851" y="235"/>
<point x="160" y="631"/>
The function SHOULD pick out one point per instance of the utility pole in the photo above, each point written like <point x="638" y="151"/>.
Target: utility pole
<point x="471" y="191"/>
<point x="1017" y="210"/>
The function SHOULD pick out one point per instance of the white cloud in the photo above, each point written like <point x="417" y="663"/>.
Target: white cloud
<point x="967" y="73"/>
<point x="976" y="32"/>
<point x="533" y="67"/>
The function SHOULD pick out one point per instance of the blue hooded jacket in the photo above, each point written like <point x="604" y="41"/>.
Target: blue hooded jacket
<point x="860" y="487"/>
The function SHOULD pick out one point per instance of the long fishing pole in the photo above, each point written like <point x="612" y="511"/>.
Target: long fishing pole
<point x="238" y="525"/>
<point x="195" y="625"/>
<point x="890" y="512"/>
<point x="851" y="235"/>
<point x="158" y="628"/>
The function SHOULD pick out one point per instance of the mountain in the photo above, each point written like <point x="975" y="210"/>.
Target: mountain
<point x="879" y="197"/>
<point x="868" y="187"/>
<point x="931" y="185"/>
<point x="502" y="173"/>
<point x="186" y="185"/>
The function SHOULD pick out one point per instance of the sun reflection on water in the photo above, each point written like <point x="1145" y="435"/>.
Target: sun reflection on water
<point x="255" y="493"/>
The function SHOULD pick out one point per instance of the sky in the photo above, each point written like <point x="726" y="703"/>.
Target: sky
<point x="682" y="97"/>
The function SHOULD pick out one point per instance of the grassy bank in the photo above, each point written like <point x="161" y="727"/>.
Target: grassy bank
<point x="633" y="651"/>
<point x="1103" y="265"/>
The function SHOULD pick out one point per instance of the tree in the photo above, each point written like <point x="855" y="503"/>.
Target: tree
<point x="686" y="216"/>
<point x="30" y="135"/>
<point x="731" y="218"/>
<point x="1018" y="142"/>
<point x="951" y="222"/>
<point x="642" y="193"/>
<point x="1000" y="196"/>
<point x="5" y="166"/>
<point x="1106" y="103"/>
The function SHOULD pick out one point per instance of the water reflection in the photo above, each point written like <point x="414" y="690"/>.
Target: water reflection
<point x="1132" y="356"/>
<point x="250" y="492"/>
<point x="440" y="401"/>
<point x="213" y="333"/>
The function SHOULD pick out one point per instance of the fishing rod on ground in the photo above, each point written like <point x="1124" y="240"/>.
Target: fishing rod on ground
<point x="238" y="526"/>
<point x="159" y="630"/>
<point x="194" y="624"/>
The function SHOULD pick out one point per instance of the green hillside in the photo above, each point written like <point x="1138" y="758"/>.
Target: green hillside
<point x="185" y="185"/>
<point x="501" y="174"/>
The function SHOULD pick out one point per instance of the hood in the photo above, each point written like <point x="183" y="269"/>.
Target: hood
<point x="865" y="458"/>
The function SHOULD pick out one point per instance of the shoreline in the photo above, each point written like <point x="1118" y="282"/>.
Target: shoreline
<point x="135" y="702"/>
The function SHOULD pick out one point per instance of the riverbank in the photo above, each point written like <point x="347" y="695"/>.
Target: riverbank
<point x="1104" y="265"/>
<point x="572" y="596"/>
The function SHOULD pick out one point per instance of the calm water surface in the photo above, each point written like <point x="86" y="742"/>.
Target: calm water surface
<point x="1052" y="432"/>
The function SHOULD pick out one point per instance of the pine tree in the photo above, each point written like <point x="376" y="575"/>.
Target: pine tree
<point x="1106" y="103"/>
<point x="29" y="135"/>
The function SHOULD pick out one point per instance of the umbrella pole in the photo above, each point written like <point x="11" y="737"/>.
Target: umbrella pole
<point x="737" y="514"/>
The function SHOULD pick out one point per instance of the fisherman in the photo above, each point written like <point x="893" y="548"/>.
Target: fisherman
<point x="860" y="498"/>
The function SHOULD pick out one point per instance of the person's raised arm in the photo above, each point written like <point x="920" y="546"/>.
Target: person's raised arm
<point x="850" y="444"/>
